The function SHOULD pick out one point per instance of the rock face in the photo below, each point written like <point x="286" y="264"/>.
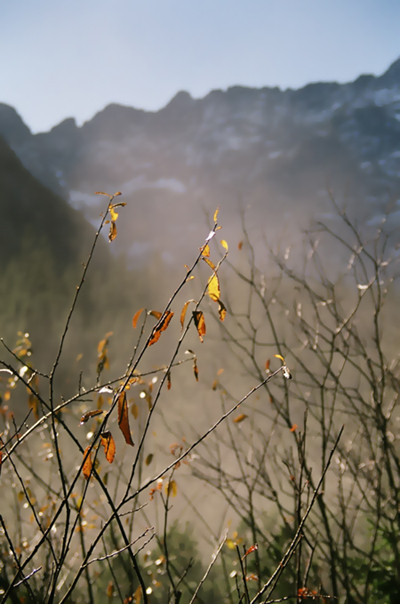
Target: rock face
<point x="277" y="151"/>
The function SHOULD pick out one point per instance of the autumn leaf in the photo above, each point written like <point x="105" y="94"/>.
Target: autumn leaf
<point x="136" y="317"/>
<point x="88" y="415"/>
<point x="135" y="410"/>
<point x="33" y="404"/>
<point x="210" y="264"/>
<point x="267" y="363"/>
<point x="195" y="369"/>
<point x="199" y="321"/>
<point x="113" y="231"/>
<point x="171" y="488"/>
<point x="240" y="418"/>
<point x="214" y="289"/>
<point x="169" y="380"/>
<point x="294" y="428"/>
<point x="279" y="356"/>
<point x="1" y="456"/>
<point x="221" y="310"/>
<point x="149" y="459"/>
<point x="240" y="245"/>
<point x="251" y="549"/>
<point x="137" y="596"/>
<point x="87" y="463"/>
<point x="108" y="443"/>
<point x="224" y="244"/>
<point x="205" y="251"/>
<point x="155" y="313"/>
<point x="162" y="326"/>
<point x="183" y="313"/>
<point x="102" y="193"/>
<point x="114" y="215"/>
<point x="123" y="419"/>
<point x="216" y="214"/>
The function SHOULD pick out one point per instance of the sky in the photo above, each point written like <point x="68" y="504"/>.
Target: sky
<point x="71" y="58"/>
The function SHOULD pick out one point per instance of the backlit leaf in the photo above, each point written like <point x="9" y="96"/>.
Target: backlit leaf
<point x="114" y="215"/>
<point x="183" y="313"/>
<point x="171" y="488"/>
<point x="278" y="356"/>
<point x="200" y="323"/>
<point x="221" y="310"/>
<point x="108" y="443"/>
<point x="240" y="418"/>
<point x="113" y="231"/>
<point x="136" y="317"/>
<point x="162" y="326"/>
<point x="135" y="410"/>
<point x="224" y="244"/>
<point x="214" y="290"/>
<point x="216" y="214"/>
<point x="149" y="459"/>
<point x="230" y="543"/>
<point x="89" y="414"/>
<point x="100" y="402"/>
<point x="87" y="463"/>
<point x="205" y="251"/>
<point x="123" y="419"/>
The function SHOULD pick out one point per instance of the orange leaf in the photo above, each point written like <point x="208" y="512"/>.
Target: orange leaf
<point x="240" y="245"/>
<point x="110" y="590"/>
<point x="183" y="313"/>
<point x="136" y="317"/>
<point x="240" y="418"/>
<point x="108" y="443"/>
<point x="155" y="313"/>
<point x="113" y="231"/>
<point x="88" y="415"/>
<point x="215" y="384"/>
<point x="214" y="289"/>
<point x="221" y="310"/>
<point x="87" y="463"/>
<point x="162" y="326"/>
<point x="267" y="363"/>
<point x="169" y="380"/>
<point x="294" y="428"/>
<point x="123" y="419"/>
<point x="200" y="323"/>
<point x="251" y="549"/>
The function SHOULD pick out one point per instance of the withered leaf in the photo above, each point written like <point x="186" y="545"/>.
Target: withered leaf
<point x="123" y="419"/>
<point x="240" y="418"/>
<point x="200" y="323"/>
<point x="102" y="193"/>
<point x="214" y="290"/>
<point x="87" y="463"/>
<point x="171" y="488"/>
<point x="183" y="313"/>
<point x="195" y="369"/>
<point x="108" y="443"/>
<point x="135" y="410"/>
<point x="162" y="326"/>
<point x="113" y="231"/>
<point x="149" y="459"/>
<point x="88" y="415"/>
<point x="221" y="310"/>
<point x="155" y="313"/>
<point x="114" y="215"/>
<point x="136" y="317"/>
<point x="251" y="549"/>
<point x="267" y="364"/>
<point x="169" y="380"/>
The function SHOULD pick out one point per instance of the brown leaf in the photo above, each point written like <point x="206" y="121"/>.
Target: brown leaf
<point x="221" y="310"/>
<point x="137" y="596"/>
<point x="113" y="231"/>
<point x="183" y="313"/>
<point x="171" y="488"/>
<point x="195" y="370"/>
<point x="240" y="418"/>
<point x="169" y="380"/>
<point x="240" y="245"/>
<point x="123" y="419"/>
<point x="87" y="463"/>
<point x="214" y="290"/>
<point x="215" y="384"/>
<point x="88" y="415"/>
<point x="200" y="323"/>
<point x="101" y="193"/>
<point x="1" y="456"/>
<point x="267" y="364"/>
<point x="136" y="317"/>
<point x="162" y="326"/>
<point x="108" y="443"/>
<point x="135" y="410"/>
<point x="155" y="313"/>
<point x="33" y="404"/>
<point x="149" y="459"/>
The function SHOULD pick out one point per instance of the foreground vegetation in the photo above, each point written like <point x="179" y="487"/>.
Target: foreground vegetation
<point x="294" y="438"/>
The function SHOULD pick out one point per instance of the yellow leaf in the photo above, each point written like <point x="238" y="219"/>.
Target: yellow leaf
<point x="205" y="252"/>
<point x="224" y="244"/>
<point x="137" y="596"/>
<point x="278" y="356"/>
<point x="171" y="488"/>
<point x="221" y="310"/>
<point x="216" y="214"/>
<point x="114" y="215"/>
<point x="101" y="193"/>
<point x="210" y="264"/>
<point x="214" y="289"/>
<point x="155" y="313"/>
<point x="240" y="418"/>
<point x="108" y="443"/>
<point x="230" y="543"/>
<point x="136" y="317"/>
<point x="113" y="231"/>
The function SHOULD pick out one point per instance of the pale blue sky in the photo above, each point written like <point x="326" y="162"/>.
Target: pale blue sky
<point x="62" y="58"/>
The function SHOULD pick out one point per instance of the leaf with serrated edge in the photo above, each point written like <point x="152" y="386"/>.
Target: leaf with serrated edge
<point x="123" y="419"/>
